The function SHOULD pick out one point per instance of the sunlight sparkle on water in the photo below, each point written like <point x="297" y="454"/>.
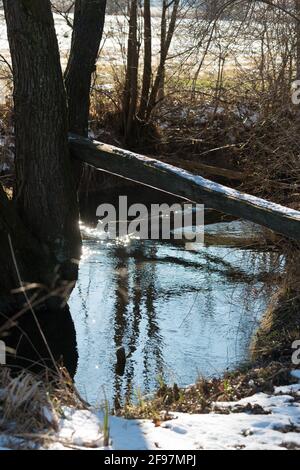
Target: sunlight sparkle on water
<point x="101" y="237"/>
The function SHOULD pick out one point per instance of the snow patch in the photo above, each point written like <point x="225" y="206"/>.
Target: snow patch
<point x="277" y="429"/>
<point x="79" y="428"/>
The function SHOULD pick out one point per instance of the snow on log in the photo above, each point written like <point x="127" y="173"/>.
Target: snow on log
<point x="168" y="178"/>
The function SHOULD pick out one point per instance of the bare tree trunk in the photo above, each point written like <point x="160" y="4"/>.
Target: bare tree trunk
<point x="147" y="60"/>
<point x="87" y="34"/>
<point x="297" y="9"/>
<point x="131" y="81"/>
<point x="212" y="8"/>
<point x="40" y="331"/>
<point x="160" y="76"/>
<point x="45" y="191"/>
<point x="163" y="43"/>
<point x="26" y="247"/>
<point x="39" y="232"/>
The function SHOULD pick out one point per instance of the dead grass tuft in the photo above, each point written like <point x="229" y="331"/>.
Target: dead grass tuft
<point x="203" y="397"/>
<point x="26" y="406"/>
<point x="31" y="406"/>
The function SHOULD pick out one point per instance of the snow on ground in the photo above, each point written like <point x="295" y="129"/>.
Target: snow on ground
<point x="80" y="429"/>
<point x="273" y="424"/>
<point x="278" y="429"/>
<point x="185" y="39"/>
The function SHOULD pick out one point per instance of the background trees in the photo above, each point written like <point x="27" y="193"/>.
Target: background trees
<point x="140" y="101"/>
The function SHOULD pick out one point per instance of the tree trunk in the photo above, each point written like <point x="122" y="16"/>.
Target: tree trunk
<point x="163" y="53"/>
<point x="297" y="9"/>
<point x="131" y="80"/>
<point x="39" y="230"/>
<point x="26" y="248"/>
<point x="160" y="76"/>
<point x="45" y="192"/>
<point x="147" y="60"/>
<point x="87" y="34"/>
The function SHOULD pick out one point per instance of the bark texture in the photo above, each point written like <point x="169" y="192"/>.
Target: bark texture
<point x="297" y="10"/>
<point x="167" y="33"/>
<point x="147" y="73"/>
<point x="131" y="80"/>
<point x="88" y="27"/>
<point x="26" y="249"/>
<point x="45" y="192"/>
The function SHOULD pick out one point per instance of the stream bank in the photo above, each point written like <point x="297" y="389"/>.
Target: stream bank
<point x="264" y="421"/>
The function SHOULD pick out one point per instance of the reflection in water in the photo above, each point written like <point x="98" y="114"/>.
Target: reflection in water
<point x="154" y="345"/>
<point x="121" y="315"/>
<point x="130" y="302"/>
<point x="177" y="313"/>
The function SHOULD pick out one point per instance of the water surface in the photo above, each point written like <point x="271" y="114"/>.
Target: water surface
<point x="179" y="314"/>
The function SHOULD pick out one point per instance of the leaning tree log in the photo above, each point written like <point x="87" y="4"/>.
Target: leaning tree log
<point x="165" y="177"/>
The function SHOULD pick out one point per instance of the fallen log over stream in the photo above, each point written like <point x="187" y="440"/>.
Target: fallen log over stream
<point x="173" y="180"/>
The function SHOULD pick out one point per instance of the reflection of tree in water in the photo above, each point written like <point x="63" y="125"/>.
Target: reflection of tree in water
<point x="84" y="296"/>
<point x="209" y="303"/>
<point x="136" y="322"/>
<point x="121" y="310"/>
<point x="154" y="343"/>
<point x="145" y="283"/>
<point x="263" y="268"/>
<point x="135" y="313"/>
<point x="134" y="335"/>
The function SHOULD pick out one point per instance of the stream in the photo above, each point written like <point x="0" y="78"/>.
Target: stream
<point x="179" y="314"/>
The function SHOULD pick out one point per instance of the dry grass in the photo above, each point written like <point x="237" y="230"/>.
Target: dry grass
<point x="25" y="408"/>
<point x="30" y="406"/>
<point x="280" y="327"/>
<point x="203" y="397"/>
<point x="25" y="403"/>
